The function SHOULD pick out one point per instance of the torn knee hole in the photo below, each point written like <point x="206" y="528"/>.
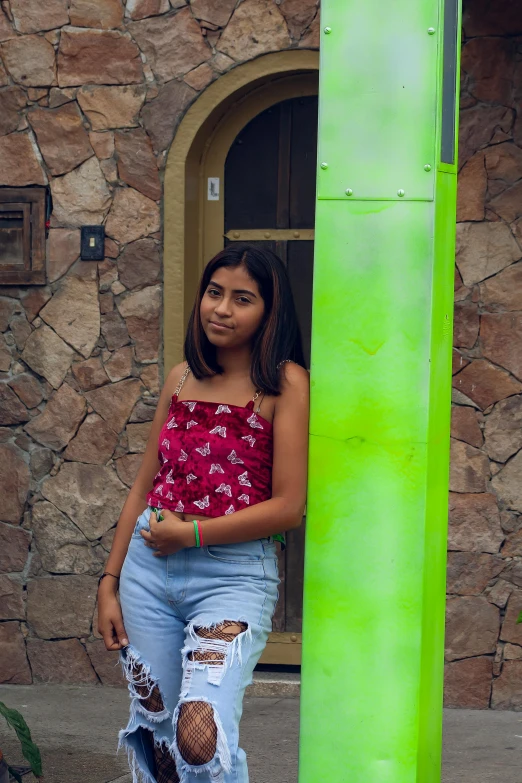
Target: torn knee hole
<point x="196" y="733"/>
<point x="214" y="647"/>
<point x="148" y="693"/>
<point x="224" y="633"/>
<point x="143" y="688"/>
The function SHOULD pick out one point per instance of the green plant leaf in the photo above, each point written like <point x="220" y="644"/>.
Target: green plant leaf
<point x="30" y="751"/>
<point x="519" y="618"/>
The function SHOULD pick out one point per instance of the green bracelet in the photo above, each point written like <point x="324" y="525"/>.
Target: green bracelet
<point x="158" y="515"/>
<point x="196" y="531"/>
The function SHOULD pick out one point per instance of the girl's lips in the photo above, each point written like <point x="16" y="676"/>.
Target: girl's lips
<point x="220" y="327"/>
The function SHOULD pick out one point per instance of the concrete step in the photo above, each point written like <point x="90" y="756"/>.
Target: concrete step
<point x="275" y="684"/>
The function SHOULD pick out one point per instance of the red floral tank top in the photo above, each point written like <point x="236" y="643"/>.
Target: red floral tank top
<point x="215" y="458"/>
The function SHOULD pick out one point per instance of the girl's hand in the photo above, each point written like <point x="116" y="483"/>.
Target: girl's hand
<point x="168" y="536"/>
<point x="110" y="621"/>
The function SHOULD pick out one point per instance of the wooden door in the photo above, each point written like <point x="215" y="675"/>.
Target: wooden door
<point x="269" y="199"/>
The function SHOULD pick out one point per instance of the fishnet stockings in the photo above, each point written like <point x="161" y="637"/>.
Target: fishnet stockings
<point x="196" y="732"/>
<point x="226" y="631"/>
<point x="165" y="766"/>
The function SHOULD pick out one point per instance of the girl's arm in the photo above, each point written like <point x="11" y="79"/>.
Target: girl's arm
<point x="136" y="501"/>
<point x="110" y="619"/>
<point x="285" y="508"/>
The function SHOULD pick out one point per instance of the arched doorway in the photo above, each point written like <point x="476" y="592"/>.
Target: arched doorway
<point x="248" y="175"/>
<point x="215" y="119"/>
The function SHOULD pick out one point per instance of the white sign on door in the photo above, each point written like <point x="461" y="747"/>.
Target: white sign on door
<point x="213" y="189"/>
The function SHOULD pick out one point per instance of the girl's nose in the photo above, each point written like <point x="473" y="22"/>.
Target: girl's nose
<point x="223" y="308"/>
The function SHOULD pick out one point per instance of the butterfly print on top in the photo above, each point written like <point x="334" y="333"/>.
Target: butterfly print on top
<point x="201" y="455"/>
<point x="219" y="431"/>
<point x="202" y="503"/>
<point x="254" y="422"/>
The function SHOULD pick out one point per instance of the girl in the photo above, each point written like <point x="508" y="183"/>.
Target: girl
<point x="222" y="477"/>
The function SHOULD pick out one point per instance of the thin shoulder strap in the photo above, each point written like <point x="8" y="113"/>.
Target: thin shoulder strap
<point x="254" y="398"/>
<point x="181" y="381"/>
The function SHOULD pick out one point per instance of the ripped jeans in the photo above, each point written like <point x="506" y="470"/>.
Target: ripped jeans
<point x="197" y="622"/>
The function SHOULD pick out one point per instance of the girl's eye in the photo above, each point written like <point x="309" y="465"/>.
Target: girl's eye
<point x="213" y="291"/>
<point x="243" y="300"/>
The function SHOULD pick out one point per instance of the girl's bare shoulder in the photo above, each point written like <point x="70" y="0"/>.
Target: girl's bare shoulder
<point x="173" y="378"/>
<point x="294" y="379"/>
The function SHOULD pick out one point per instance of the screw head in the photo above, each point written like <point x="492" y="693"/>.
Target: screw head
<point x="327" y="30"/>
<point x="427" y="167"/>
<point x="236" y="234"/>
<point x="400" y="192"/>
<point x="267" y="234"/>
<point x="297" y="234"/>
<point x="431" y="31"/>
<point x="348" y="191"/>
<point x="324" y="165"/>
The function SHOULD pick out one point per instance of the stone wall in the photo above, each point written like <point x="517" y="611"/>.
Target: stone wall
<point x="484" y="643"/>
<point x="92" y="92"/>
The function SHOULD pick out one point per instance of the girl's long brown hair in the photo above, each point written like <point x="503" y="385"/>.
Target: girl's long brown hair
<point x="277" y="338"/>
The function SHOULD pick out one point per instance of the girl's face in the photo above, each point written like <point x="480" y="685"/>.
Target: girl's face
<point x="231" y="309"/>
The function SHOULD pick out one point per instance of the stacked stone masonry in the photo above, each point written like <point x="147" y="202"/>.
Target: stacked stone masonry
<point x="91" y="94"/>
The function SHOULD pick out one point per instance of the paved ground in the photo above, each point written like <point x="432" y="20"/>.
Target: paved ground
<point x="76" y="727"/>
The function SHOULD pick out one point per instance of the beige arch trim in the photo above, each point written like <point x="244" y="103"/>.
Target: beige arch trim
<point x="183" y="185"/>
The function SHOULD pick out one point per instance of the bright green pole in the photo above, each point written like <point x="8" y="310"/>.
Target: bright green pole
<point x="381" y="368"/>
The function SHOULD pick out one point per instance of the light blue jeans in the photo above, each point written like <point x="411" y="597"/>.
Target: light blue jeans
<point x="164" y="601"/>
